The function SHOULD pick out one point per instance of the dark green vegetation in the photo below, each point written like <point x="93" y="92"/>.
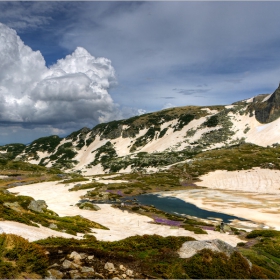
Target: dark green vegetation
<point x="242" y="156"/>
<point x="21" y="259"/>
<point x="12" y="150"/>
<point x="15" y="208"/>
<point x="18" y="173"/>
<point x="63" y="157"/>
<point x="112" y="163"/>
<point x="44" y="144"/>
<point x="154" y="256"/>
<point x="104" y="154"/>
<point x="263" y="249"/>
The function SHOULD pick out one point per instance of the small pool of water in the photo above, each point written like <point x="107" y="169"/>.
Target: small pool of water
<point x="177" y="206"/>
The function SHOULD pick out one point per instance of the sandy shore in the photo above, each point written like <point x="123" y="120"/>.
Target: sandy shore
<point x="255" y="180"/>
<point x="122" y="224"/>
<point x="250" y="194"/>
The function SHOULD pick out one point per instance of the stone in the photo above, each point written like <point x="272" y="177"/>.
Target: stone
<point x="129" y="272"/>
<point x="54" y="265"/>
<point x="55" y="274"/>
<point x="86" y="269"/>
<point x="99" y="275"/>
<point x="67" y="264"/>
<point x="90" y="258"/>
<point x="87" y="272"/>
<point x="122" y="268"/>
<point x="190" y="248"/>
<point x="13" y="205"/>
<point x="37" y="206"/>
<point x="76" y="257"/>
<point x="116" y="278"/>
<point x="53" y="226"/>
<point x="124" y="276"/>
<point x="109" y="266"/>
<point x="83" y="256"/>
<point x="74" y="274"/>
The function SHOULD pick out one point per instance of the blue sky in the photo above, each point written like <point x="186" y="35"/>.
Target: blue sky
<point x="156" y="54"/>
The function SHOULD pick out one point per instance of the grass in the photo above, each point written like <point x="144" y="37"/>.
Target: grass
<point x="265" y="251"/>
<point x="15" y="208"/>
<point x="19" y="258"/>
<point x="156" y="256"/>
<point x="239" y="157"/>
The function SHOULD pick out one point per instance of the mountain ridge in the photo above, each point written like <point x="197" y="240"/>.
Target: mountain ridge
<point x="156" y="140"/>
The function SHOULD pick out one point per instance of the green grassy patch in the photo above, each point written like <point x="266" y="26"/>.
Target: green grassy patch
<point x="19" y="257"/>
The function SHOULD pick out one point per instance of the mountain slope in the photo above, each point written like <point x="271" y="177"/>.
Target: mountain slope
<point x="158" y="139"/>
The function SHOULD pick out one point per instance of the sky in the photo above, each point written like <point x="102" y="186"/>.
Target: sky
<point x="67" y="65"/>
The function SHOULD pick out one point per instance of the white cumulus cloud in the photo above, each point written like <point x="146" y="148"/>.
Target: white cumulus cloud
<point x="72" y="92"/>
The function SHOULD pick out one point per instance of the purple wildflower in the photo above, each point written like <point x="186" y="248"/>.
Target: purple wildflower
<point x="167" y="222"/>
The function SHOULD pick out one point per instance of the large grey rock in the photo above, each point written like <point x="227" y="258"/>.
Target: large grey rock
<point x="37" y="205"/>
<point x="190" y="248"/>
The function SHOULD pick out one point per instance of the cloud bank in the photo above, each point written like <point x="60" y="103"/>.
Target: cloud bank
<point x="70" y="93"/>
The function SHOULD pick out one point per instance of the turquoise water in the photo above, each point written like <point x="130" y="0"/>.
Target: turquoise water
<point x="177" y="206"/>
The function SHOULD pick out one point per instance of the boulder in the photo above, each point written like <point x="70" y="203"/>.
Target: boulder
<point x="190" y="248"/>
<point x="37" y="205"/>
<point x="109" y="266"/>
<point x="55" y="274"/>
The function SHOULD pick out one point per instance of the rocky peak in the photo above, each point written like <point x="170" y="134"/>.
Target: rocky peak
<point x="269" y="110"/>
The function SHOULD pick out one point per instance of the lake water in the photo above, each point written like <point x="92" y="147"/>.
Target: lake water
<point x="177" y="206"/>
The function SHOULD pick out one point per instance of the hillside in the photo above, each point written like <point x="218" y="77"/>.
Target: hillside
<point x="221" y="158"/>
<point x="156" y="140"/>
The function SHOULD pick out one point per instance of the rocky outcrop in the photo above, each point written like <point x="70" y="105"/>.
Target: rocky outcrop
<point x="190" y="248"/>
<point x="79" y="265"/>
<point x="269" y="110"/>
<point x="37" y="206"/>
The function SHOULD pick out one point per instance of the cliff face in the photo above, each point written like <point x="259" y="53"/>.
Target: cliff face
<point x="269" y="110"/>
